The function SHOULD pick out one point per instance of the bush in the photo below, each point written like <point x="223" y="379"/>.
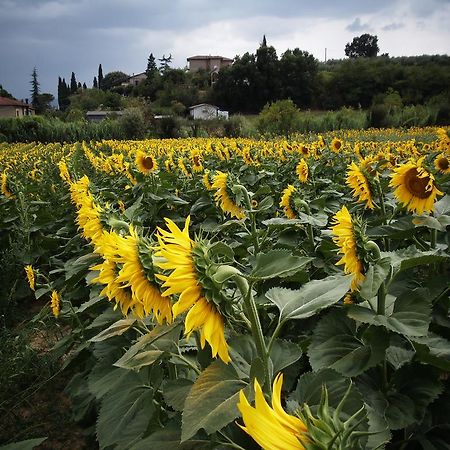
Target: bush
<point x="132" y="124"/>
<point x="280" y="118"/>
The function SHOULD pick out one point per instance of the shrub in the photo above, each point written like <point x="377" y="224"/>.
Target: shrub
<point x="280" y="118"/>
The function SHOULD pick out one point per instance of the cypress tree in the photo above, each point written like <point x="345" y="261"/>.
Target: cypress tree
<point x="95" y="84"/>
<point x="73" y="84"/>
<point x="100" y="76"/>
<point x="34" y="88"/>
<point x="84" y="86"/>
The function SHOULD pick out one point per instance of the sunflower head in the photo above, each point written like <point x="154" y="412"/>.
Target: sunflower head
<point x="287" y="202"/>
<point x="30" y="276"/>
<point x="55" y="304"/>
<point x="186" y="271"/>
<point x="414" y="187"/>
<point x="146" y="163"/>
<point x="336" y="145"/>
<point x="358" y="180"/>
<point x="270" y="425"/>
<point x="348" y="234"/>
<point x="442" y="163"/>
<point x="224" y="196"/>
<point x="302" y="171"/>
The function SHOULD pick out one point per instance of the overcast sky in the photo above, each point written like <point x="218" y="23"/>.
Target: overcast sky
<point x="61" y="36"/>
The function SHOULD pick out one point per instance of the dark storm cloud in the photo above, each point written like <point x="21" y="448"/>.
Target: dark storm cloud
<point x="61" y="36"/>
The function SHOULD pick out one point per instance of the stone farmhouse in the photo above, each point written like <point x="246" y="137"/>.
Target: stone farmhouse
<point x="15" y="108"/>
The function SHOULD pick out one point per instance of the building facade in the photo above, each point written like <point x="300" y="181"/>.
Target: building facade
<point x="15" y="108"/>
<point x="208" y="63"/>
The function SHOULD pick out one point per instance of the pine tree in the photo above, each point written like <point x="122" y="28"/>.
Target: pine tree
<point x="264" y="41"/>
<point x="100" y="76"/>
<point x="165" y="63"/>
<point x="60" y="93"/>
<point x="73" y="84"/>
<point x="34" y="88"/>
<point x="152" y="69"/>
<point x="95" y="84"/>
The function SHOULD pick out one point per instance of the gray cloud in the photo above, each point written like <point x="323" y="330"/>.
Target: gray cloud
<point x="357" y="25"/>
<point x="393" y="26"/>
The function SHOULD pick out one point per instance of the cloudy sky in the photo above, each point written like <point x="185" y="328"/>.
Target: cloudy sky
<point x="61" y="36"/>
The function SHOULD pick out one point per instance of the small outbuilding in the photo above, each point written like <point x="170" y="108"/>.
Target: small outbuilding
<point x="204" y="111"/>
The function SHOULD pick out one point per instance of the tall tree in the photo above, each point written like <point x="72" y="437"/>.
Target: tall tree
<point x="34" y="88"/>
<point x="165" y="63"/>
<point x="63" y="94"/>
<point x="152" y="69"/>
<point x="268" y="74"/>
<point x="298" y="77"/>
<point x="365" y="45"/>
<point x="73" y="84"/>
<point x="100" y="77"/>
<point x="95" y="84"/>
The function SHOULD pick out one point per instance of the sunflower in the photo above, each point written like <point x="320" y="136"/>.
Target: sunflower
<point x="345" y="237"/>
<point x="179" y="253"/>
<point x="357" y="180"/>
<point x="196" y="160"/>
<point x="414" y="187"/>
<point x="271" y="427"/>
<point x="304" y="150"/>
<point x="30" y="277"/>
<point x="146" y="163"/>
<point x="285" y="202"/>
<point x="302" y="171"/>
<point x="146" y="296"/>
<point x="183" y="167"/>
<point x="108" y="271"/>
<point x="206" y="181"/>
<point x="5" y="191"/>
<point x="336" y="145"/>
<point x="223" y="199"/>
<point x="55" y="303"/>
<point x="442" y="163"/>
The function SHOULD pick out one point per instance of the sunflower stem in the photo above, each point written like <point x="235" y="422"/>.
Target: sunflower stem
<point x="381" y="300"/>
<point x="274" y="336"/>
<point x="433" y="235"/>
<point x="383" y="213"/>
<point x="252" y="312"/>
<point x="309" y="228"/>
<point x="252" y="214"/>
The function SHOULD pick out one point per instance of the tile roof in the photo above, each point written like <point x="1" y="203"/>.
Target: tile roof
<point x="5" y="101"/>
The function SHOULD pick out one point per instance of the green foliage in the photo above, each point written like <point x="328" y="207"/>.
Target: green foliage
<point x="113" y="79"/>
<point x="281" y="118"/>
<point x="365" y="45"/>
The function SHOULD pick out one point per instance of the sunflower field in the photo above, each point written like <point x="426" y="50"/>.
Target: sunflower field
<point x="236" y="293"/>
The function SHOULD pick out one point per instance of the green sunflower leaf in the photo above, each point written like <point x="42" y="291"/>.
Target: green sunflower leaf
<point x="277" y="263"/>
<point x="310" y="298"/>
<point x="411" y="314"/>
<point x="337" y="343"/>
<point x="212" y="401"/>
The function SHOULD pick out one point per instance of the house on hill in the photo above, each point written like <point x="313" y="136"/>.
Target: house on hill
<point x="15" y="108"/>
<point x="134" y="80"/>
<point x="208" y="62"/>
